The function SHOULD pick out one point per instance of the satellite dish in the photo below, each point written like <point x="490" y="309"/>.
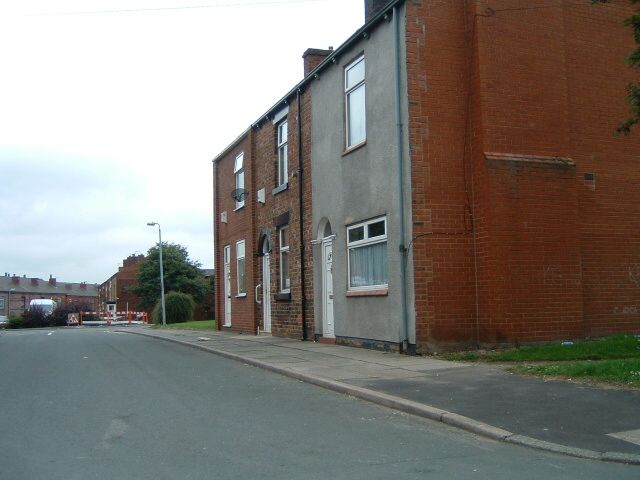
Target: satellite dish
<point x="239" y="194"/>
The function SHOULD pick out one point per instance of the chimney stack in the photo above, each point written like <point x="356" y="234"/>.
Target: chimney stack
<point x="52" y="281"/>
<point x="15" y="280"/>
<point x="313" y="57"/>
<point x="372" y="8"/>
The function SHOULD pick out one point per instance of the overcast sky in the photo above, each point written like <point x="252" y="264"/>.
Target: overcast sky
<point x="112" y="110"/>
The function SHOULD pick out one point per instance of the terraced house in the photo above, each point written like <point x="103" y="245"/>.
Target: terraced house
<point x="447" y="177"/>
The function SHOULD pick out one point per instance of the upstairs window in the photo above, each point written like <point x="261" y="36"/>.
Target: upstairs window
<point x="367" y="245"/>
<point x="240" y="268"/>
<point x="283" y="155"/>
<point x="354" y="88"/>
<point x="238" y="170"/>
<point x="285" y="279"/>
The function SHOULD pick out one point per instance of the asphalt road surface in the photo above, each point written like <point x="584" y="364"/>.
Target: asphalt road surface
<point x="96" y="404"/>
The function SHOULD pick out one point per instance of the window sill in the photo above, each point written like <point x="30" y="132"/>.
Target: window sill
<point x="354" y="147"/>
<point x="279" y="189"/>
<point x="382" y="292"/>
<point x="283" y="297"/>
<point x="241" y="295"/>
<point x="238" y="208"/>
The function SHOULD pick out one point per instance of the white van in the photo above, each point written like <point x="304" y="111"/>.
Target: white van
<point x="44" y="304"/>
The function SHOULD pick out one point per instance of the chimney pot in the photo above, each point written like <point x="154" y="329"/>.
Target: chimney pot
<point x="313" y="57"/>
<point x="372" y="8"/>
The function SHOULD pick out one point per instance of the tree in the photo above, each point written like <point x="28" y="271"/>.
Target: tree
<point x="633" y="59"/>
<point x="181" y="274"/>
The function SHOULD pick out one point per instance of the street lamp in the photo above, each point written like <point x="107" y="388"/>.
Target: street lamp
<point x="164" y="316"/>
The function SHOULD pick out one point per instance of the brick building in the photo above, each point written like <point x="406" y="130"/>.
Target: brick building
<point x="461" y="183"/>
<point x="116" y="288"/>
<point x="17" y="292"/>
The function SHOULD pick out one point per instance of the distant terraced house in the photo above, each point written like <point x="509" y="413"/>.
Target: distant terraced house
<point x="17" y="292"/>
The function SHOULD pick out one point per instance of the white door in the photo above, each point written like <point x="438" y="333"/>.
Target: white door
<point x="227" y="286"/>
<point x="327" y="289"/>
<point x="266" y="293"/>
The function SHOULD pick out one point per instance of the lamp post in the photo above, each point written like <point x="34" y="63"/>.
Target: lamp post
<point x="164" y="316"/>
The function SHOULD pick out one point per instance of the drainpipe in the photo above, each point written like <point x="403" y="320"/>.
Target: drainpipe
<point x="303" y="296"/>
<point x="404" y="333"/>
<point x="216" y="285"/>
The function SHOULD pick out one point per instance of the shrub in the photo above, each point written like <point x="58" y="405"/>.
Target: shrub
<point x="15" y="321"/>
<point x="35" y="318"/>
<point x="179" y="308"/>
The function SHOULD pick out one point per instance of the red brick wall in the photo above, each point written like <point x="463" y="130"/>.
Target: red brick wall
<point x="551" y="256"/>
<point x="441" y="195"/>
<point x="609" y="218"/>
<point x="115" y="288"/>
<point x="240" y="226"/>
<point x="286" y="315"/>
<point x="532" y="286"/>
<point x="127" y="277"/>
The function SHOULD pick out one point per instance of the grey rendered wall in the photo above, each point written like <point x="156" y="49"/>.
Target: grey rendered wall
<point x="361" y="185"/>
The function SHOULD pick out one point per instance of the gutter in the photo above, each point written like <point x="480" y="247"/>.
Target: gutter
<point x="231" y="146"/>
<point x="362" y="32"/>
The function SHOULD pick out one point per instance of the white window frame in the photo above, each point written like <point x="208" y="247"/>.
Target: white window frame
<point x="284" y="250"/>
<point x="2" y="302"/>
<point x="348" y="91"/>
<point x="366" y="241"/>
<point x="244" y="268"/>
<point x="283" y="152"/>
<point x="238" y="171"/>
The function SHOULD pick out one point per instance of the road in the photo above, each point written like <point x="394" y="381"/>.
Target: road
<point x="93" y="403"/>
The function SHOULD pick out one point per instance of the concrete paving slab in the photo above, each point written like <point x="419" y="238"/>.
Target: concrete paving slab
<point x="332" y="373"/>
<point x="278" y="359"/>
<point x="417" y="362"/>
<point x="327" y="361"/>
<point x="261" y="354"/>
<point x="288" y="361"/>
<point x="396" y="373"/>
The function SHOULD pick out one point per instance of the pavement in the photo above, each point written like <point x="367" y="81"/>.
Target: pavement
<point x="563" y="417"/>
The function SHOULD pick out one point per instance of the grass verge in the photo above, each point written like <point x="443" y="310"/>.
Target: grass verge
<point x="625" y="371"/>
<point x="194" y="325"/>
<point x="614" y="360"/>
<point x="616" y="347"/>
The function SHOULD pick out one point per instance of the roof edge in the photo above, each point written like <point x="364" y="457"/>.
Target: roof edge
<point x="231" y="146"/>
<point x="357" y="35"/>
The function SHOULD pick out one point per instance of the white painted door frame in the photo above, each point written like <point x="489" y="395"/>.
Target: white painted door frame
<point x="328" y="328"/>
<point x="266" y="293"/>
<point x="227" y="286"/>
